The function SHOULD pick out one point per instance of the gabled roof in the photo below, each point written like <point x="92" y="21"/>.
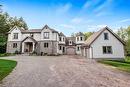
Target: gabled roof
<point x="79" y="34"/>
<point x="15" y="27"/>
<point x="94" y="36"/>
<point x="32" y="31"/>
<point x="61" y="34"/>
<point x="47" y="27"/>
<point x="29" y="38"/>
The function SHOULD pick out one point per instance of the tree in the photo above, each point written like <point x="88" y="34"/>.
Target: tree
<point x="122" y="33"/>
<point x="128" y="41"/>
<point x="6" y="23"/>
<point x="87" y="34"/>
<point x="19" y="22"/>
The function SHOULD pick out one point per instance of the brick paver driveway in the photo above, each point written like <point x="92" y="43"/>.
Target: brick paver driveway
<point x="63" y="71"/>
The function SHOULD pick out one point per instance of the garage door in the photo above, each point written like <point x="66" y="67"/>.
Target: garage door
<point x="70" y="51"/>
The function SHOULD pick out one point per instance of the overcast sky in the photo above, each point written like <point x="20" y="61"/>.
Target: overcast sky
<point x="70" y="16"/>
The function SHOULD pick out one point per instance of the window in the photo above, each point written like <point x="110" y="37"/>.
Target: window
<point x="31" y="35"/>
<point x="63" y="39"/>
<point x="15" y="35"/>
<point x="107" y="49"/>
<point x="105" y="36"/>
<point x="81" y="38"/>
<point x="14" y="45"/>
<point x="46" y="35"/>
<point x="78" y="48"/>
<point x="70" y="42"/>
<point x="46" y="45"/>
<point x="60" y="48"/>
<point x="59" y="38"/>
<point x="77" y="38"/>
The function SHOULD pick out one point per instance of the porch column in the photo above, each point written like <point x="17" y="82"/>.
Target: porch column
<point x="23" y="47"/>
<point x="33" y="47"/>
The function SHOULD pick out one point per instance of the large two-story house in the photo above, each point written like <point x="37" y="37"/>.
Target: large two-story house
<point x="43" y="41"/>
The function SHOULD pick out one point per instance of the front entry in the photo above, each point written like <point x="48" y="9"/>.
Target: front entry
<point x="28" y="47"/>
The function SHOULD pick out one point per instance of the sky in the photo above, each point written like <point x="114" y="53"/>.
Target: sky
<point x="70" y="16"/>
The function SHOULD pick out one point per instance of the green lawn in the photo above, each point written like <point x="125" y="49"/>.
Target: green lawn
<point x="6" y="54"/>
<point x="6" y="66"/>
<point x="119" y="64"/>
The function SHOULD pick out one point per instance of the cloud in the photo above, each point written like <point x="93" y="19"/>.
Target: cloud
<point x="67" y="26"/>
<point x="64" y="8"/>
<point x="95" y="27"/>
<point x="124" y="20"/>
<point x="79" y="20"/>
<point x="87" y="4"/>
<point x="103" y="6"/>
<point x="102" y="13"/>
<point x="76" y="20"/>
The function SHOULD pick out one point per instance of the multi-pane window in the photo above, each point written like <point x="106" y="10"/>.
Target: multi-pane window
<point x="77" y="38"/>
<point x="15" y="36"/>
<point x="60" y="48"/>
<point x="46" y="35"/>
<point x="70" y="42"/>
<point x="78" y="48"/>
<point x="81" y="38"/>
<point x="31" y="35"/>
<point x="14" y="45"/>
<point x="59" y="38"/>
<point x="46" y="45"/>
<point x="106" y="36"/>
<point x="107" y="49"/>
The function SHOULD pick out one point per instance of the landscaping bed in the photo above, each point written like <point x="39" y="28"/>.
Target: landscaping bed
<point x="119" y="64"/>
<point x="6" y="66"/>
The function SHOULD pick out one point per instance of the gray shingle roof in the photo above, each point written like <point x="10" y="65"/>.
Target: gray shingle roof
<point x="79" y="34"/>
<point x="94" y="36"/>
<point x="61" y="34"/>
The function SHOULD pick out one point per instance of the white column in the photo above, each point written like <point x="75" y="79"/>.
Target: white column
<point x="33" y="46"/>
<point x="23" y="47"/>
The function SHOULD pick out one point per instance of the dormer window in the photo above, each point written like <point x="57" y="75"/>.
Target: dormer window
<point x="106" y="36"/>
<point x="31" y="35"/>
<point x="46" y="35"/>
<point x="70" y="42"/>
<point x="15" y="36"/>
<point x="81" y="38"/>
<point x="59" y="38"/>
<point x="77" y="38"/>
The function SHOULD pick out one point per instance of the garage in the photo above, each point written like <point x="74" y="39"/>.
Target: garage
<point x="70" y="51"/>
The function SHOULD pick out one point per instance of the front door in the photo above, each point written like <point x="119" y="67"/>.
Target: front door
<point x="28" y="46"/>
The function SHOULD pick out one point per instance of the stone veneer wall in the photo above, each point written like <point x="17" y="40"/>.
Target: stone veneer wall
<point x="52" y="49"/>
<point x="10" y="48"/>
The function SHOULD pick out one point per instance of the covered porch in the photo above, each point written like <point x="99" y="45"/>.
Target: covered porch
<point x="28" y="45"/>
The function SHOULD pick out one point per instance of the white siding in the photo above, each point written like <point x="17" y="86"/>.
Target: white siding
<point x="117" y="47"/>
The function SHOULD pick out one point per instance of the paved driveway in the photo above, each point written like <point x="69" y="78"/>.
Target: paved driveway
<point x="63" y="71"/>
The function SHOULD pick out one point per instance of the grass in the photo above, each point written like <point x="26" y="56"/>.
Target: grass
<point x="6" y="66"/>
<point x="123" y="65"/>
<point x="6" y="54"/>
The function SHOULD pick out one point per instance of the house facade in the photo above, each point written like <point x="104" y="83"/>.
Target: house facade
<point x="102" y="44"/>
<point x="43" y="41"/>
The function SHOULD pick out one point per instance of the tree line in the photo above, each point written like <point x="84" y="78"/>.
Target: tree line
<point x="6" y="23"/>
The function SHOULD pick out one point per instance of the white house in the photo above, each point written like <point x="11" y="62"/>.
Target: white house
<point x="103" y="44"/>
